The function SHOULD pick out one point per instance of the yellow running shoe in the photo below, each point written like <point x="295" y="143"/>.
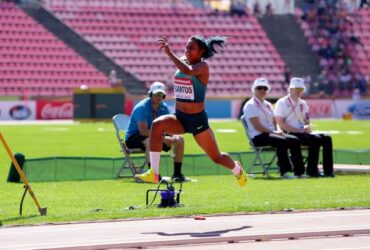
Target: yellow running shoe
<point x="242" y="177"/>
<point x="148" y="176"/>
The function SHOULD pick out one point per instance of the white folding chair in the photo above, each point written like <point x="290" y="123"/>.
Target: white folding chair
<point x="120" y="122"/>
<point x="258" y="159"/>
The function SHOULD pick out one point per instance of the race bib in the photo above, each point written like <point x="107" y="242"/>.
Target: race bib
<point x="183" y="88"/>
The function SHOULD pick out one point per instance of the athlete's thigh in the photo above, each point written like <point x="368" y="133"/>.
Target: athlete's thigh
<point x="207" y="141"/>
<point x="170" y="124"/>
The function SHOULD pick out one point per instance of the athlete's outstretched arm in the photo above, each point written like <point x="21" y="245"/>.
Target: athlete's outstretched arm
<point x="197" y="69"/>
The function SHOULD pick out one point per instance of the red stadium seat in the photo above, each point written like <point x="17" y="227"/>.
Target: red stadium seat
<point x="136" y="27"/>
<point x="32" y="57"/>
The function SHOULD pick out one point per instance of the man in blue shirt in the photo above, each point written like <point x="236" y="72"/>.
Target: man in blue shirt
<point x="141" y="119"/>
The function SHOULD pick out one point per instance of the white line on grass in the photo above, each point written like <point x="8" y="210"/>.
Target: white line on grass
<point x="104" y="129"/>
<point x="226" y="130"/>
<point x="337" y="132"/>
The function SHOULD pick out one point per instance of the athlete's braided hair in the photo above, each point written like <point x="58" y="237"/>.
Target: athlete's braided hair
<point x="208" y="44"/>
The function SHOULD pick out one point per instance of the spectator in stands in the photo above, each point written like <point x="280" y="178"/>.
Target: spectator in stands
<point x="190" y="84"/>
<point x="113" y="80"/>
<point x="334" y="40"/>
<point x="345" y="83"/>
<point x="308" y="82"/>
<point x="308" y="5"/>
<point x="141" y="119"/>
<point x="238" y="8"/>
<point x="292" y="116"/>
<point x="360" y="83"/>
<point x="257" y="9"/>
<point x="286" y="77"/>
<point x="260" y="120"/>
<point x="364" y="3"/>
<point x="323" y="82"/>
<point x="356" y="95"/>
<point x="268" y="9"/>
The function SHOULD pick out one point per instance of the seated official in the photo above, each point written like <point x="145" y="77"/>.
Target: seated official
<point x="260" y="119"/>
<point x="141" y="119"/>
<point x="292" y="116"/>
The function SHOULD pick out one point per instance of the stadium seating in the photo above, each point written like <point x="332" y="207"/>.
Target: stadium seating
<point x="35" y="62"/>
<point x="127" y="31"/>
<point x="352" y="37"/>
<point x="362" y="30"/>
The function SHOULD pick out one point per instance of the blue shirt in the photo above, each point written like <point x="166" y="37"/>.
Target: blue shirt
<point x="143" y="112"/>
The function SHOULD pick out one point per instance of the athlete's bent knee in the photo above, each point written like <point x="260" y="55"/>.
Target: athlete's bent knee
<point x="178" y="139"/>
<point x="158" y="126"/>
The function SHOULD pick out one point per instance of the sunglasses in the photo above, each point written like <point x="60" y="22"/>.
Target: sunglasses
<point x="159" y="94"/>
<point x="262" y="88"/>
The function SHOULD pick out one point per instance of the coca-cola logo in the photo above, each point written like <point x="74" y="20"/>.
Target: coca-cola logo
<point x="20" y="112"/>
<point x="64" y="111"/>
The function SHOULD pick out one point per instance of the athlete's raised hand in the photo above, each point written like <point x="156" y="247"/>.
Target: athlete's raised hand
<point x="162" y="43"/>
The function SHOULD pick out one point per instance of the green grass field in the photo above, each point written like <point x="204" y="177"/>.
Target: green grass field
<point x="74" y="201"/>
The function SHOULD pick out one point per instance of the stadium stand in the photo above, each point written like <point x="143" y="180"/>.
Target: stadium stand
<point x="34" y="62"/>
<point x="362" y="31"/>
<point x="339" y="39"/>
<point x="127" y="30"/>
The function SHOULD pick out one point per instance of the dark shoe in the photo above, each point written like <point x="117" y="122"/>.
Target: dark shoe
<point x="180" y="178"/>
<point x="316" y="175"/>
<point x="329" y="175"/>
<point x="288" y="176"/>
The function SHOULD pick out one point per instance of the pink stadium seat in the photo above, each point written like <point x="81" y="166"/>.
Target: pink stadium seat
<point x="35" y="61"/>
<point x="127" y="30"/>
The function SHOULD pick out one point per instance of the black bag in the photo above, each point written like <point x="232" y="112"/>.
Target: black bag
<point x="13" y="175"/>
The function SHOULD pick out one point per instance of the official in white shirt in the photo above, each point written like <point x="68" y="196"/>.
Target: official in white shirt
<point x="260" y="119"/>
<point x="292" y="116"/>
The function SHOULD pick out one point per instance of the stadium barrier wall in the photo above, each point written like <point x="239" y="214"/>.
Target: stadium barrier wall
<point x="54" y="110"/>
<point x="17" y="110"/>
<point x="216" y="108"/>
<point x="323" y="108"/>
<point x="99" y="168"/>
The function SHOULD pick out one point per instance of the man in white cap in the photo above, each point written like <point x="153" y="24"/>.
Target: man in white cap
<point x="262" y="130"/>
<point x="292" y="116"/>
<point x="138" y="130"/>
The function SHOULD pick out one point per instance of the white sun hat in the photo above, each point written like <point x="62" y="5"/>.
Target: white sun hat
<point x="261" y="82"/>
<point x="297" y="82"/>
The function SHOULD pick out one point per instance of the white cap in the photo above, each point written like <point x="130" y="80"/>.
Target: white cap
<point x="261" y="82"/>
<point x="297" y="82"/>
<point x="157" y="87"/>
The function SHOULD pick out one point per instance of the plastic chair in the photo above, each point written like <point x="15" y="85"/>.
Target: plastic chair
<point x="120" y="122"/>
<point x="258" y="159"/>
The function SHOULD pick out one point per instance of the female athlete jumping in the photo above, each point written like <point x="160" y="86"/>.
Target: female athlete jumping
<point x="190" y="84"/>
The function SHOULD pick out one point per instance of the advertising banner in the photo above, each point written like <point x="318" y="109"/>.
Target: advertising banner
<point x="54" y="110"/>
<point x="321" y="108"/>
<point x="358" y="109"/>
<point x="17" y="110"/>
